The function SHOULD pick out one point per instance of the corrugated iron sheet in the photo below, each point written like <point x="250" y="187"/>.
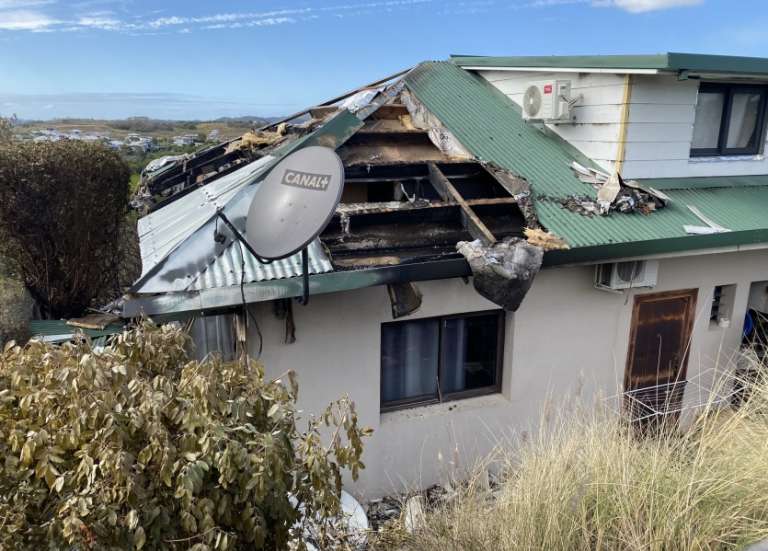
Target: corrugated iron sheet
<point x="178" y="241"/>
<point x="160" y="231"/>
<point x="226" y="269"/>
<point x="490" y="126"/>
<point x="58" y="331"/>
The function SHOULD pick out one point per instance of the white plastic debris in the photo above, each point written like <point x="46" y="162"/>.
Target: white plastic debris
<point x="414" y="517"/>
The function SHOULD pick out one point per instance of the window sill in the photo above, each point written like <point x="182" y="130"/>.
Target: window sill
<point x="726" y="159"/>
<point x="452" y="407"/>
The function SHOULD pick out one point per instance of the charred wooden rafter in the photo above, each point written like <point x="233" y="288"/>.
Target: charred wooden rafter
<point x="471" y="221"/>
<point x="447" y="202"/>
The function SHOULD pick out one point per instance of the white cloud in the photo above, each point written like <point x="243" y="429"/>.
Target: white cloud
<point x="99" y="22"/>
<point x="640" y="6"/>
<point x="25" y="21"/>
<point x="22" y="4"/>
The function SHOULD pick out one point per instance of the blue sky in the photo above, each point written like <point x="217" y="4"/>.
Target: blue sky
<point x="204" y="59"/>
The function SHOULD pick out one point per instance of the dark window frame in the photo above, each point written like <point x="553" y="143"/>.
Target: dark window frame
<point x="728" y="90"/>
<point x="440" y="397"/>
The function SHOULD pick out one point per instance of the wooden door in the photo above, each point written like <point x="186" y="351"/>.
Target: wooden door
<point x="658" y="353"/>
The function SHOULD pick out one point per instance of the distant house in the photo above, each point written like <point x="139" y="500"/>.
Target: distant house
<point x="138" y="142"/>
<point x="644" y="179"/>
<point x="214" y="135"/>
<point x="47" y="135"/>
<point x="185" y="140"/>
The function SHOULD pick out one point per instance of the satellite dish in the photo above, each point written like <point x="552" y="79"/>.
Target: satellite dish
<point x="295" y="202"/>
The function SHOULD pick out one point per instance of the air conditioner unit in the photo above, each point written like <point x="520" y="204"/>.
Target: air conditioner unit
<point x="626" y="275"/>
<point x="548" y="101"/>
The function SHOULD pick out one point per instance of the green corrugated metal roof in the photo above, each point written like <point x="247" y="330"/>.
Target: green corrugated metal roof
<point x="490" y="126"/>
<point x="59" y="331"/>
<point x="670" y="61"/>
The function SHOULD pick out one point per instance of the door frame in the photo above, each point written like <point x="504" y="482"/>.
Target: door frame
<point x="690" y="318"/>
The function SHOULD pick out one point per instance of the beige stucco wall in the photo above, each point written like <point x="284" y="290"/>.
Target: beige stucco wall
<point x="567" y="340"/>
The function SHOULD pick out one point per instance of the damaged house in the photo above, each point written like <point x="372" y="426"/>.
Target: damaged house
<point x="512" y="231"/>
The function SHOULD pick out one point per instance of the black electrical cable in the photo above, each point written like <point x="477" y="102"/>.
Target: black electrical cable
<point x="220" y="238"/>
<point x="247" y="311"/>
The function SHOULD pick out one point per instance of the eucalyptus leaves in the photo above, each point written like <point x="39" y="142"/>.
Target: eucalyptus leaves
<point x="137" y="447"/>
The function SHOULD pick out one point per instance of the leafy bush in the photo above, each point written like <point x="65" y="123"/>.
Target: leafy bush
<point x="590" y="484"/>
<point x="62" y="205"/>
<point x="137" y="447"/>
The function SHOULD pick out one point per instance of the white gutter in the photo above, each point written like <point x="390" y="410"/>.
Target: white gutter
<point x="565" y="70"/>
<point x="694" y="252"/>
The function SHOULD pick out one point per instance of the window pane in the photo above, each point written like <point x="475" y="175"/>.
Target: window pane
<point x="709" y="113"/>
<point x="469" y="353"/>
<point x="742" y="128"/>
<point x="409" y="356"/>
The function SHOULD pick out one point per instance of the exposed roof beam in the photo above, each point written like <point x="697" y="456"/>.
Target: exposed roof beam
<point x="471" y="221"/>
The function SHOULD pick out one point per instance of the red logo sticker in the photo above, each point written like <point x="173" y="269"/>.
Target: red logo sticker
<point x="547" y="88"/>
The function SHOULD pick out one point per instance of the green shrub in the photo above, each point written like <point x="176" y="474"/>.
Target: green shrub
<point x="135" y="446"/>
<point x="62" y="207"/>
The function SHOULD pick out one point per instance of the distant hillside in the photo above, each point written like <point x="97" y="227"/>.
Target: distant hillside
<point x="228" y="127"/>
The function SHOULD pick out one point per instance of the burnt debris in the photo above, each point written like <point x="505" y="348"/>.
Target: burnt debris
<point x="504" y="271"/>
<point x="614" y="194"/>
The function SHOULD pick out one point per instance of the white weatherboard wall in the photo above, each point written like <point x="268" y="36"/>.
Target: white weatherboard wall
<point x="660" y="131"/>
<point x="568" y="340"/>
<point x="598" y="116"/>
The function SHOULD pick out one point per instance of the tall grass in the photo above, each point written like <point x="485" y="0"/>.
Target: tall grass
<point x="593" y="483"/>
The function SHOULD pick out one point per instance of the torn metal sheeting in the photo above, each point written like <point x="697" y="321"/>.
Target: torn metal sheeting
<point x="195" y="250"/>
<point x="408" y="201"/>
<point x="503" y="272"/>
<point x="710" y="224"/>
<point x="405" y="298"/>
<point x="163" y="230"/>
<point x="170" y="179"/>
<point x="703" y="230"/>
<point x="441" y="137"/>
<point x="614" y="194"/>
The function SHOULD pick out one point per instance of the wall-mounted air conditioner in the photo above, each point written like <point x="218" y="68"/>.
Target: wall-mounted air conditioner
<point x="548" y="101"/>
<point x="626" y="275"/>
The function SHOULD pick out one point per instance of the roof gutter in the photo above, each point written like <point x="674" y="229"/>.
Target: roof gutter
<point x="187" y="303"/>
<point x="563" y="70"/>
<point x="735" y="241"/>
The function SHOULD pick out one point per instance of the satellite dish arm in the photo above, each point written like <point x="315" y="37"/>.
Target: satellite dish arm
<point x="239" y="237"/>
<point x="304" y="300"/>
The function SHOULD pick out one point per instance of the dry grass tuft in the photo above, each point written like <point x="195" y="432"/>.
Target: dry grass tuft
<point x="594" y="484"/>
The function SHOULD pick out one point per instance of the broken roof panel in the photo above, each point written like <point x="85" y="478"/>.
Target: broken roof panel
<point x="491" y="127"/>
<point x="160" y="231"/>
<point x="176" y="263"/>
